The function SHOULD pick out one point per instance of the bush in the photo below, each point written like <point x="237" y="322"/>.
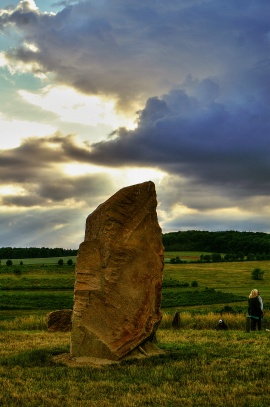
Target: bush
<point x="194" y="283"/>
<point x="70" y="262"/>
<point x="257" y="274"/>
<point x="60" y="262"/>
<point x="175" y="260"/>
<point x="9" y="263"/>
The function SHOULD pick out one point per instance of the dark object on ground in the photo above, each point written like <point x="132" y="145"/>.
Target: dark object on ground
<point x="221" y="326"/>
<point x="59" y="320"/>
<point x="176" y="320"/>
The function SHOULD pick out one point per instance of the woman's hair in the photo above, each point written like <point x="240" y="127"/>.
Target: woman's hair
<point x="254" y="293"/>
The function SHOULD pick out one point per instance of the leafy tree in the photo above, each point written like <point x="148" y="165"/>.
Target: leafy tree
<point x="230" y="257"/>
<point x="194" y="283"/>
<point x="216" y="257"/>
<point x="257" y="274"/>
<point x="240" y="256"/>
<point x="251" y="256"/>
<point x="207" y="258"/>
<point x="217" y="242"/>
<point x="70" y="262"/>
<point x="175" y="260"/>
<point x="60" y="262"/>
<point x="9" y="263"/>
<point x="21" y="263"/>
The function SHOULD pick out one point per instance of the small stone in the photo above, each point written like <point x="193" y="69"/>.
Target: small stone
<point x="59" y="320"/>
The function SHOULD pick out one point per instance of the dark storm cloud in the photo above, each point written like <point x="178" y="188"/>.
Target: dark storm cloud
<point x="220" y="143"/>
<point x="211" y="145"/>
<point x="129" y="49"/>
<point x="36" y="155"/>
<point x="200" y="70"/>
<point x="35" y="166"/>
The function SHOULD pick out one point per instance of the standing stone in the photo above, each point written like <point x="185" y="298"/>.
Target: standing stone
<point x="117" y="294"/>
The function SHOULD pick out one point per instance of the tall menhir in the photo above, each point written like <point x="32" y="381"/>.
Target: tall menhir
<point x="117" y="294"/>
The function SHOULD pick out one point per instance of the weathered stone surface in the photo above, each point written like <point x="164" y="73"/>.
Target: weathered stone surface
<point x="119" y="268"/>
<point x="59" y="320"/>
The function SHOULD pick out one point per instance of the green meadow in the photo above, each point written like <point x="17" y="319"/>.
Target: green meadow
<point x="199" y="366"/>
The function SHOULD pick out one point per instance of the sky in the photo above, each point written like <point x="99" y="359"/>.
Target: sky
<point x="97" y="95"/>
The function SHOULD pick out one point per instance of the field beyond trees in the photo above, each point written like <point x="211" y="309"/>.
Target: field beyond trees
<point x="199" y="367"/>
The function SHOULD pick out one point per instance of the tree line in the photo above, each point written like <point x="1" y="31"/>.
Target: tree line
<point x="34" y="252"/>
<point x="250" y="244"/>
<point x="233" y="242"/>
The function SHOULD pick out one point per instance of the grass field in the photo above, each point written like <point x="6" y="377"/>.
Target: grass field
<point x="200" y="366"/>
<point x="234" y="277"/>
<point x="46" y="285"/>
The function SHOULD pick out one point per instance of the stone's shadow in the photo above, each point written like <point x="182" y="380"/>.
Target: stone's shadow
<point x="145" y="351"/>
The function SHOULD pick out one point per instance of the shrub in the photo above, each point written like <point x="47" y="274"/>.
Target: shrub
<point x="257" y="274"/>
<point x="70" y="262"/>
<point x="9" y="263"/>
<point x="174" y="283"/>
<point x="216" y="257"/>
<point x="194" y="283"/>
<point x="60" y="262"/>
<point x="175" y="260"/>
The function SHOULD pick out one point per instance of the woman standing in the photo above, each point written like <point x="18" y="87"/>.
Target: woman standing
<point x="254" y="310"/>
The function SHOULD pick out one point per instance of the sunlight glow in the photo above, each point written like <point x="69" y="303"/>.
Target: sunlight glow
<point x="75" y="169"/>
<point x="25" y="6"/>
<point x="72" y="106"/>
<point x="16" y="130"/>
<point x="59" y="226"/>
<point x="3" y="59"/>
<point x="31" y="47"/>
<point x="11" y="190"/>
<point x="138" y="175"/>
<point x="123" y="177"/>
